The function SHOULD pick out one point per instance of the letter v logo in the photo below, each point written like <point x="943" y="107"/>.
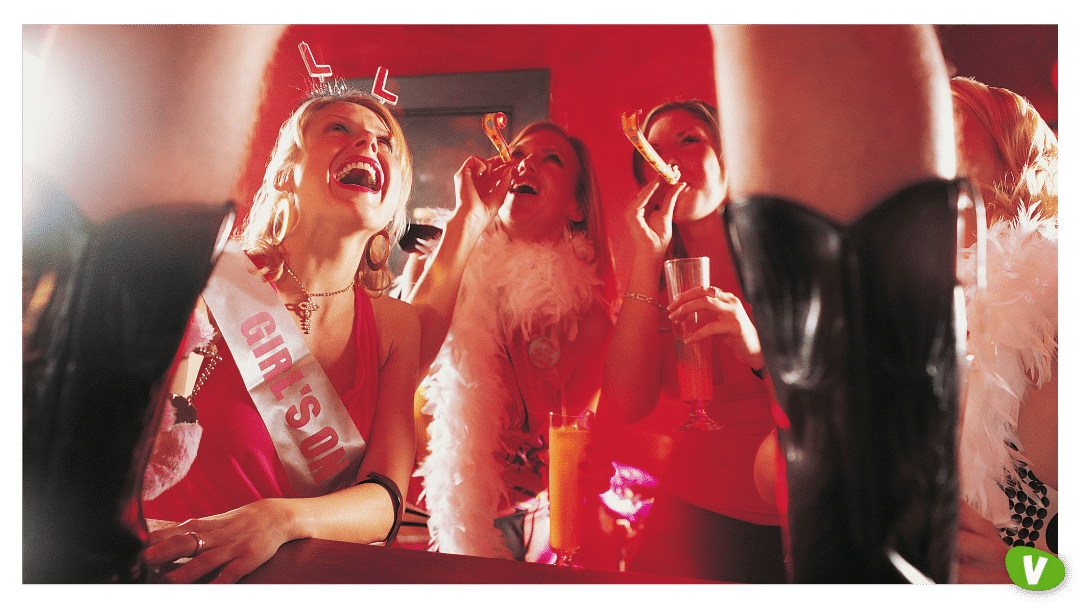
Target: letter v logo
<point x="1033" y="569"/>
<point x="1034" y="574"/>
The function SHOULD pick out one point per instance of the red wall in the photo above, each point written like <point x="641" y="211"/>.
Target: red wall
<point x="1021" y="58"/>
<point x="597" y="72"/>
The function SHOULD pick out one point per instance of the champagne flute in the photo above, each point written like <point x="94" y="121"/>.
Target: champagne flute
<point x="694" y="361"/>
<point x="568" y="435"/>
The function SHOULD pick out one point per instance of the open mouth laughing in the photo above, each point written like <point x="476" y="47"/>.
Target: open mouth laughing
<point x="524" y="187"/>
<point x="360" y="173"/>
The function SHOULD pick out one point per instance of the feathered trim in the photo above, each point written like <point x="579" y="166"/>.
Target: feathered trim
<point x="508" y="286"/>
<point x="175" y="448"/>
<point x="1013" y="340"/>
<point x="176" y="444"/>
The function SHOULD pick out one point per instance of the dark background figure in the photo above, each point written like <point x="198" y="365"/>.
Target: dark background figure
<point x="121" y="231"/>
<point x="843" y="229"/>
<point x="97" y="369"/>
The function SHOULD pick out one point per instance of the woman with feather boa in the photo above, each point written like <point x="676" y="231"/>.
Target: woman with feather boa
<point x="515" y="316"/>
<point x="1008" y="435"/>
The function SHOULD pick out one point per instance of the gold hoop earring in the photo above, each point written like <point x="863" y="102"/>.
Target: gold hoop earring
<point x="282" y="219"/>
<point x="378" y="250"/>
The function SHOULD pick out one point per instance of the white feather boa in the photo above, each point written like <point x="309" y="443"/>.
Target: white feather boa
<point x="176" y="444"/>
<point x="1013" y="339"/>
<point x="507" y="287"/>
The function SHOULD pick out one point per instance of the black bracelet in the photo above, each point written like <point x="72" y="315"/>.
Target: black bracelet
<point x="395" y="496"/>
<point x="760" y="373"/>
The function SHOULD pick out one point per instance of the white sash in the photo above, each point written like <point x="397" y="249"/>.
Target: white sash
<point x="314" y="436"/>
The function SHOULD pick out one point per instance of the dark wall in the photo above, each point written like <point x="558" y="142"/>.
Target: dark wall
<point x="1021" y="58"/>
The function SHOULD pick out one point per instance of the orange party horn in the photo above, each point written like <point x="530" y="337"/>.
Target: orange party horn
<point x="493" y="122"/>
<point x="670" y="173"/>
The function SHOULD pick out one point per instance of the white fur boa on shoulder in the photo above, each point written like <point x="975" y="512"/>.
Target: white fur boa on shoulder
<point x="176" y="443"/>
<point x="1013" y="338"/>
<point x="507" y="286"/>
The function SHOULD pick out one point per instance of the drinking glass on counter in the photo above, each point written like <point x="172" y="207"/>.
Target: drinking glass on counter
<point x="568" y="437"/>
<point x="694" y="361"/>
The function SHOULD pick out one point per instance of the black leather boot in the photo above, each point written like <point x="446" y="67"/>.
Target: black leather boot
<point x="857" y="328"/>
<point x="93" y="384"/>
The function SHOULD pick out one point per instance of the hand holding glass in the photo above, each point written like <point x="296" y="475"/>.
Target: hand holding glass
<point x="694" y="361"/>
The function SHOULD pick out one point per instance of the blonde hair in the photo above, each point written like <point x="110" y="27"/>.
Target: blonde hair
<point x="257" y="235"/>
<point x="1028" y="147"/>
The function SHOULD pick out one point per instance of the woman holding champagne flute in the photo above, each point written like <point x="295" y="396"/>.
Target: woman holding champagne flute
<point x="711" y="519"/>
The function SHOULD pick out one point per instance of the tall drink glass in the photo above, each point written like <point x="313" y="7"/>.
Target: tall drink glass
<point x="694" y="361"/>
<point x="568" y="436"/>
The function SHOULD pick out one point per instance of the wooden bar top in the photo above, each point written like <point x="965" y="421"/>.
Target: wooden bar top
<point x="332" y="562"/>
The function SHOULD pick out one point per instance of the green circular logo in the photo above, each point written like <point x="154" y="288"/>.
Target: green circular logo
<point x="1039" y="576"/>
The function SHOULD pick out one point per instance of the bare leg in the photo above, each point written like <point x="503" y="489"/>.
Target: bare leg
<point x="835" y="117"/>
<point x="839" y="147"/>
<point x="136" y="116"/>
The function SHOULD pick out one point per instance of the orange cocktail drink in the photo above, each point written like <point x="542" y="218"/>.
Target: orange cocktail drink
<point x="568" y="438"/>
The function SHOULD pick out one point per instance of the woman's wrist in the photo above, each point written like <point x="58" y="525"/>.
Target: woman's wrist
<point x="469" y="222"/>
<point x="292" y="517"/>
<point x="647" y="252"/>
<point x="647" y="268"/>
<point x="632" y="295"/>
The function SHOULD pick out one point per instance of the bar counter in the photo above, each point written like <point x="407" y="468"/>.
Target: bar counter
<point x="325" y="561"/>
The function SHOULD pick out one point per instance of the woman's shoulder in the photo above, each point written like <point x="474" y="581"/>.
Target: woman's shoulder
<point x="394" y="315"/>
